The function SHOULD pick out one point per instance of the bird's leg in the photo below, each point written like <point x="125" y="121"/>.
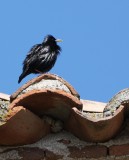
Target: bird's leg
<point x="41" y="72"/>
<point x="38" y="71"/>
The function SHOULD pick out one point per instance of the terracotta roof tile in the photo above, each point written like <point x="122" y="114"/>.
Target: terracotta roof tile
<point x="4" y="96"/>
<point x="88" y="120"/>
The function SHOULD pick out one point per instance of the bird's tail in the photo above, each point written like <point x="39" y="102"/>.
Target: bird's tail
<point x="23" y="75"/>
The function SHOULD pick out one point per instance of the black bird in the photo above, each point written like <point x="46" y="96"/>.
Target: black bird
<point x="41" y="57"/>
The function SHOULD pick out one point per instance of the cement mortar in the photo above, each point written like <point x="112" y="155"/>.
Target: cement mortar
<point x="4" y="109"/>
<point x="46" y="84"/>
<point x="52" y="142"/>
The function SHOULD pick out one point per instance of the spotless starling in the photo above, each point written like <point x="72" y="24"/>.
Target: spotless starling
<point x="41" y="57"/>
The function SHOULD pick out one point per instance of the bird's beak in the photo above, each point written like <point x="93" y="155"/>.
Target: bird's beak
<point x="58" y="40"/>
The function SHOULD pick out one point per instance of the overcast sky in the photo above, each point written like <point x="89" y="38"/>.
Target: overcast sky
<point x="95" y="47"/>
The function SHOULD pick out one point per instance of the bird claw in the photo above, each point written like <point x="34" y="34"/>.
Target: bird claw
<point x="39" y="71"/>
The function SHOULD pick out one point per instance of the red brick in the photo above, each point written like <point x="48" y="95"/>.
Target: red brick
<point x="119" y="150"/>
<point x="88" y="152"/>
<point x="37" y="154"/>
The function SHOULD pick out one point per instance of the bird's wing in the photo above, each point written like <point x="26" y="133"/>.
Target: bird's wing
<point x="37" y="56"/>
<point x="32" y="52"/>
<point x="43" y="56"/>
<point x="31" y="56"/>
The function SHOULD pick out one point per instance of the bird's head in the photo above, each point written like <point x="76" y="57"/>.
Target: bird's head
<point x="50" y="40"/>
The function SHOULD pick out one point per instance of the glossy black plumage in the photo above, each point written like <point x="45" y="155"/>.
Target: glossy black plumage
<point x="41" y="57"/>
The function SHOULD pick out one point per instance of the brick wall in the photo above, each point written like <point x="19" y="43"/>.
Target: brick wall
<point x="64" y="145"/>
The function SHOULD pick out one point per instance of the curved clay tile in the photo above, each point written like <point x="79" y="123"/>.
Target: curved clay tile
<point x="55" y="103"/>
<point x="94" y="130"/>
<point x="19" y="126"/>
<point x="44" y="77"/>
<point x="44" y="95"/>
<point x="52" y="96"/>
<point x="47" y="94"/>
<point x="107" y="125"/>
